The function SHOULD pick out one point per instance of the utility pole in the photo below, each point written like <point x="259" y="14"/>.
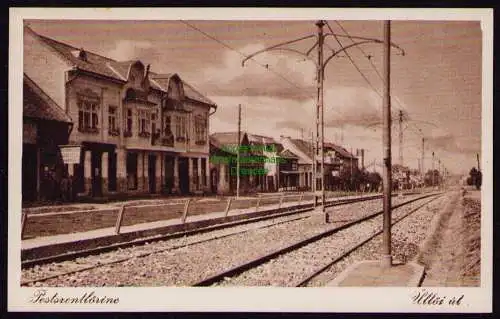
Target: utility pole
<point x="439" y="173"/>
<point x="433" y="175"/>
<point x="313" y="176"/>
<point x="478" y="164"/>
<point x="320" y="113"/>
<point x="422" y="172"/>
<point x="387" y="176"/>
<point x="320" y="64"/>
<point x="351" y="177"/>
<point x="238" y="154"/>
<point x="363" y="159"/>
<point x="401" y="138"/>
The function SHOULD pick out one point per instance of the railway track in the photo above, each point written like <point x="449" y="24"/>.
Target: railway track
<point x="265" y="222"/>
<point x="225" y="276"/>
<point x="293" y="210"/>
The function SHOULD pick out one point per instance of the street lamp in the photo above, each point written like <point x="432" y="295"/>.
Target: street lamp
<point x="320" y="65"/>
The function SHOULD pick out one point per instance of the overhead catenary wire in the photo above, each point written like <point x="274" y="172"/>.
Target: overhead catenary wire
<point x="266" y="66"/>
<point x="369" y="58"/>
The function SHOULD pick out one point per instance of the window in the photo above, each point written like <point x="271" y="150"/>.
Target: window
<point x="294" y="166"/>
<point x="144" y="122"/>
<point x="129" y="122"/>
<point x="112" y="123"/>
<point x="200" y="130"/>
<point x="180" y="129"/>
<point x="154" y="117"/>
<point x="88" y="118"/>
<point x="167" y="125"/>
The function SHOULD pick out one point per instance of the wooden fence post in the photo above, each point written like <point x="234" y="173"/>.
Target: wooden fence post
<point x="119" y="220"/>
<point x="301" y="197"/>
<point x="258" y="203"/>
<point x="230" y="199"/>
<point x="23" y="223"/>
<point x="186" y="209"/>
<point x="281" y="201"/>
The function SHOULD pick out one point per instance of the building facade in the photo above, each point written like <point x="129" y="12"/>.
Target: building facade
<point x="45" y="126"/>
<point x="135" y="131"/>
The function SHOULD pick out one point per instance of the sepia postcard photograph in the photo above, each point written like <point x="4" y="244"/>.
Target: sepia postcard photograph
<point x="275" y="160"/>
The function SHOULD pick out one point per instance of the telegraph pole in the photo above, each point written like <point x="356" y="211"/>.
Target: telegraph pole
<point x="387" y="176"/>
<point x="238" y="154"/>
<point x="433" y="175"/>
<point x="401" y="138"/>
<point x="439" y="173"/>
<point x="321" y="120"/>
<point x="423" y="156"/>
<point x="320" y="67"/>
<point x="478" y="165"/>
<point x="313" y="179"/>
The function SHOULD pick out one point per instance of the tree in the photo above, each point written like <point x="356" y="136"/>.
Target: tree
<point x="475" y="178"/>
<point x="432" y="178"/>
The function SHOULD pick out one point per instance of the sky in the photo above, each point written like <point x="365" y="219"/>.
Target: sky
<point x="437" y="83"/>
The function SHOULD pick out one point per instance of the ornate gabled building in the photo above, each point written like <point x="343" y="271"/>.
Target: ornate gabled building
<point x="135" y="131"/>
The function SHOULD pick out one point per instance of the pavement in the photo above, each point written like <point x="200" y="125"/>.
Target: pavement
<point x="372" y="274"/>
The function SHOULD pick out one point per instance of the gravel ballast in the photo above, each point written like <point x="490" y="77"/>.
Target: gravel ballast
<point x="289" y="269"/>
<point x="185" y="265"/>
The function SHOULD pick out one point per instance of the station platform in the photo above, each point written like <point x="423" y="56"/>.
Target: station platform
<point x="372" y="274"/>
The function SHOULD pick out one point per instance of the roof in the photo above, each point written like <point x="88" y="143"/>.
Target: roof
<point x="339" y="149"/>
<point x="303" y="146"/>
<point x="261" y="139"/>
<point x="191" y="93"/>
<point x="116" y="70"/>
<point x="287" y="154"/>
<point x="227" y="138"/>
<point x="37" y="104"/>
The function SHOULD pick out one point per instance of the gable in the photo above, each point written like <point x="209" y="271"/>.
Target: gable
<point x="175" y="89"/>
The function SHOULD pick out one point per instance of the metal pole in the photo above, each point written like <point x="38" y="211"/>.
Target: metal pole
<point x="320" y="25"/>
<point x="433" y="175"/>
<point x="387" y="176"/>
<point x="401" y="138"/>
<point x="238" y="154"/>
<point x="313" y="179"/>
<point x="439" y="175"/>
<point x="351" y="177"/>
<point x="422" y="172"/>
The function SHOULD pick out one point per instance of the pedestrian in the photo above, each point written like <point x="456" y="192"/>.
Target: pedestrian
<point x="65" y="187"/>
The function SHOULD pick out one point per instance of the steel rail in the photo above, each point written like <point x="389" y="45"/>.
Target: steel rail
<point x="142" y="241"/>
<point x="306" y="279"/>
<point x="75" y="255"/>
<point x="268" y="256"/>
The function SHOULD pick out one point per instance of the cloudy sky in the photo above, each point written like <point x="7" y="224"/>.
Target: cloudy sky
<point x="437" y="83"/>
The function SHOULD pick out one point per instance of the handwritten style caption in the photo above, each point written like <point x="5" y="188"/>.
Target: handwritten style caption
<point x="427" y="298"/>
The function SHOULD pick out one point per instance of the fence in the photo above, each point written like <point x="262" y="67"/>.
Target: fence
<point x="130" y="214"/>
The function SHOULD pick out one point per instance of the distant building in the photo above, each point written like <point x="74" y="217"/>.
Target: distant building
<point x="338" y="162"/>
<point x="135" y="131"/>
<point x="270" y="167"/>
